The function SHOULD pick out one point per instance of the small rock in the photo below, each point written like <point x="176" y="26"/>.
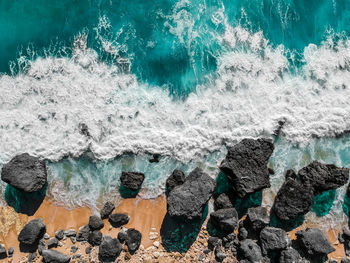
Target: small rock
<point x="52" y="243"/>
<point x="10" y="251"/>
<point x="156" y="244"/>
<point x="46" y="236"/>
<point x="272" y="239"/>
<point x="53" y="256"/>
<point x="122" y="235"/>
<point x="32" y="256"/>
<point x="73" y="239"/>
<point x="213" y="242"/>
<point x="290" y="255"/>
<point x="76" y="256"/>
<point x="257" y="218"/>
<point x="70" y="233"/>
<point x="74" y="249"/>
<point x="155" y="254"/>
<point x="59" y="234"/>
<point x="219" y="254"/>
<point x="88" y="250"/>
<point x="249" y="250"/>
<point x="3" y="252"/>
<point x="345" y="260"/>
<point x="107" y="209"/>
<point x="225" y="219"/>
<point x="132" y="180"/>
<point x="83" y="234"/>
<point x="242" y="233"/>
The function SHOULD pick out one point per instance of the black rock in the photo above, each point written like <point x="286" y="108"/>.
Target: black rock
<point x="74" y="249"/>
<point x="257" y="218"/>
<point x="345" y="260"/>
<point x="155" y="158"/>
<point x="3" y="253"/>
<point x="32" y="256"/>
<point x="213" y="242"/>
<point x="59" y="234"/>
<point x="122" y="235"/>
<point x="219" y="254"/>
<point x="88" y="250"/>
<point x="132" y="180"/>
<point x="323" y="177"/>
<point x="249" y="250"/>
<point x="332" y="260"/>
<point x="83" y="233"/>
<point x="107" y="209"/>
<point x="53" y="256"/>
<point x="176" y="178"/>
<point x="187" y="201"/>
<point x="95" y="238"/>
<point x="117" y="220"/>
<point x="70" y="233"/>
<point x="95" y="223"/>
<point x="290" y="255"/>
<point x="223" y="201"/>
<point x="42" y="246"/>
<point x="225" y="219"/>
<point x="293" y="199"/>
<point x="52" y="243"/>
<point x="133" y="240"/>
<point x="73" y="239"/>
<point x="32" y="232"/>
<point x="109" y="249"/>
<point x="242" y="233"/>
<point x="25" y="172"/>
<point x="245" y="165"/>
<point x="314" y="242"/>
<point x="272" y="239"/>
<point x="10" y="251"/>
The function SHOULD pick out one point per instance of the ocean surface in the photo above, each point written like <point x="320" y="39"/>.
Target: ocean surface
<point x="97" y="87"/>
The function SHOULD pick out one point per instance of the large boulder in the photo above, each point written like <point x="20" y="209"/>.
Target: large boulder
<point x="118" y="220"/>
<point x="272" y="239"/>
<point x="132" y="180"/>
<point x="32" y="232"/>
<point x="109" y="249"/>
<point x="107" y="209"/>
<point x="250" y="251"/>
<point x="176" y="178"/>
<point x="187" y="201"/>
<point x="257" y="218"/>
<point x="323" y="177"/>
<point x="133" y="240"/>
<point x="293" y="199"/>
<point x="314" y="242"/>
<point x="25" y="173"/>
<point x="225" y="219"/>
<point x="53" y="256"/>
<point x="245" y="165"/>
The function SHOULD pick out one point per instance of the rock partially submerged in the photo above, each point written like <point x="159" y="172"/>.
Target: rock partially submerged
<point x="323" y="177"/>
<point x="32" y="232"/>
<point x="293" y="199"/>
<point x="109" y="249"/>
<point x="245" y="165"/>
<point x="188" y="200"/>
<point x="132" y="180"/>
<point x="176" y="178"/>
<point x="53" y="256"/>
<point x="314" y="243"/>
<point x="25" y="172"/>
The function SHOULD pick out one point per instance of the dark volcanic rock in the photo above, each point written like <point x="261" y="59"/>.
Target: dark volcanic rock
<point x="25" y="172"/>
<point x="272" y="238"/>
<point x="188" y="200"/>
<point x="176" y="178"/>
<point x="95" y="223"/>
<point x="290" y="255"/>
<point x="245" y="165"/>
<point x="83" y="233"/>
<point x="122" y="235"/>
<point x="132" y="180"/>
<point x="53" y="242"/>
<point x="109" y="249"/>
<point x="53" y="256"/>
<point x="250" y="251"/>
<point x="293" y="199"/>
<point x="117" y="220"/>
<point x="3" y="253"/>
<point x="32" y="232"/>
<point x="59" y="234"/>
<point x="223" y="201"/>
<point x="107" y="209"/>
<point x="95" y="238"/>
<point x="257" y="218"/>
<point x="225" y="219"/>
<point x="314" y="242"/>
<point x="323" y="177"/>
<point x="242" y="233"/>
<point x="133" y="240"/>
<point x="213" y="242"/>
<point x="219" y="254"/>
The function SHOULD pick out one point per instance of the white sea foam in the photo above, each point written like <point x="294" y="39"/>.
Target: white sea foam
<point x="41" y="109"/>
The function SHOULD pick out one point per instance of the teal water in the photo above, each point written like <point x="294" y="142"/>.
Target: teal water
<point x="172" y="43"/>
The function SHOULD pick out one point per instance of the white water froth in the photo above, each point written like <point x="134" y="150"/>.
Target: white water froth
<point x="42" y="109"/>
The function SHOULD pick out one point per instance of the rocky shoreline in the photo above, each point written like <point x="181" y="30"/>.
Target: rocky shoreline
<point x="203" y="220"/>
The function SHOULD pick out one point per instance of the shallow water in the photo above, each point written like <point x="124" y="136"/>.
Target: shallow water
<point x="183" y="79"/>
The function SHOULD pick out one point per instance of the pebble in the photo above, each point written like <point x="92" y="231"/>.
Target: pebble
<point x="155" y="254"/>
<point x="156" y="244"/>
<point x="46" y="236"/>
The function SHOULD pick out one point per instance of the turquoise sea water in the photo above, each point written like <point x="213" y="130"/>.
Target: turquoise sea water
<point x="182" y="78"/>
